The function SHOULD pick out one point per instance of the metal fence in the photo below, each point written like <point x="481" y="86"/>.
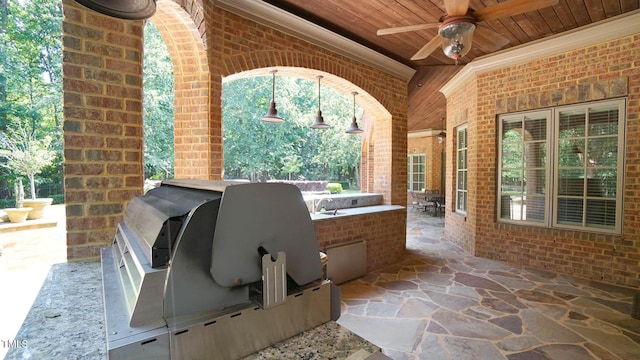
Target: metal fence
<point x="42" y="191"/>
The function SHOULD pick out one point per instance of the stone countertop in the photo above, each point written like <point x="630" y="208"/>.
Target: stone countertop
<point x="66" y="321"/>
<point x="327" y="341"/>
<point x="332" y="214"/>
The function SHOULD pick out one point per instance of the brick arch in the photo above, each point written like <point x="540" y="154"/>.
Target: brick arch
<point x="364" y="99"/>
<point x="377" y="154"/>
<point x="341" y="77"/>
<point x="183" y="38"/>
<point x="374" y="112"/>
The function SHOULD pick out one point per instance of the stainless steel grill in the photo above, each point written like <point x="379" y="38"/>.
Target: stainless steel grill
<point x="210" y="269"/>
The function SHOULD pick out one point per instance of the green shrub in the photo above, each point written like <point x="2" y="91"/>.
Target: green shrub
<point x="345" y="184"/>
<point x="334" y="188"/>
<point x="7" y="203"/>
<point x="57" y="199"/>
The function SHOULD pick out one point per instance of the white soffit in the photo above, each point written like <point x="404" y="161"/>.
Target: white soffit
<point x="281" y="20"/>
<point x="606" y="30"/>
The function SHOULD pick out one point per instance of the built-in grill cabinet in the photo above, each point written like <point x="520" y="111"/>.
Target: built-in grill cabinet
<point x="210" y="269"/>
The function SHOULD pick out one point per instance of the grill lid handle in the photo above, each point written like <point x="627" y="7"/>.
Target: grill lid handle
<point x="272" y="290"/>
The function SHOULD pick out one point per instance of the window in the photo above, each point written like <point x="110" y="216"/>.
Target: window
<point x="416" y="172"/>
<point x="461" y="170"/>
<point x="580" y="148"/>
<point x="524" y="167"/>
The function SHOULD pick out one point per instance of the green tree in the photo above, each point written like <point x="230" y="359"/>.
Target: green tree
<point x="30" y="72"/>
<point x="290" y="165"/>
<point x="4" y="23"/>
<point x="24" y="153"/>
<point x="259" y="151"/>
<point x="158" y="106"/>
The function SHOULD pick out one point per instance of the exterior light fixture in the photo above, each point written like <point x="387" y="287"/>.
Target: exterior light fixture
<point x="123" y="9"/>
<point x="457" y="35"/>
<point x="319" y="123"/>
<point x="354" y="129"/>
<point x="443" y="135"/>
<point x="272" y="114"/>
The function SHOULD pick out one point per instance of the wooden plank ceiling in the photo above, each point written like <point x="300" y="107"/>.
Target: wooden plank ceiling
<point x="359" y="21"/>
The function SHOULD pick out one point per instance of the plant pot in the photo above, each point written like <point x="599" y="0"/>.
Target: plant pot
<point x="37" y="206"/>
<point x="17" y="215"/>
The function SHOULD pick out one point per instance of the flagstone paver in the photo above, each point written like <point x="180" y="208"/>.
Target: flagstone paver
<point x="451" y="305"/>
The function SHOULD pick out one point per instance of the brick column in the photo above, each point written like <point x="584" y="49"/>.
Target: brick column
<point x="102" y="86"/>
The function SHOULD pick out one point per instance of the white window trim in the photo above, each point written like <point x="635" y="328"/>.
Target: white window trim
<point x="552" y="168"/>
<point x="410" y="158"/>
<point x="458" y="210"/>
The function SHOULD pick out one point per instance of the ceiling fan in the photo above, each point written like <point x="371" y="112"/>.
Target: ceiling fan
<point x="457" y="25"/>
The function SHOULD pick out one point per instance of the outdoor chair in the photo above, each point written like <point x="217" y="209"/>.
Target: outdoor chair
<point x="441" y="205"/>
<point x="419" y="201"/>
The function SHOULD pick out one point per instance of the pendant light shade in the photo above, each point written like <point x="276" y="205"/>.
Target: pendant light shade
<point x="123" y="9"/>
<point x="319" y="123"/>
<point x="354" y="129"/>
<point x="272" y="114"/>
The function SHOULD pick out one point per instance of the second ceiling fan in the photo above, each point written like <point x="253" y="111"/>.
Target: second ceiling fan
<point x="457" y="25"/>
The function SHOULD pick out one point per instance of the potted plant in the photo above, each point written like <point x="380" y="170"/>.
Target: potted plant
<point x="26" y="155"/>
<point x="18" y="213"/>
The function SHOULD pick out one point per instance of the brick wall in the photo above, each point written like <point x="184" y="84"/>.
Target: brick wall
<point x="241" y="45"/>
<point x="605" y="70"/>
<point x="102" y="71"/>
<point x="102" y="124"/>
<point x="385" y="243"/>
<point x="460" y="228"/>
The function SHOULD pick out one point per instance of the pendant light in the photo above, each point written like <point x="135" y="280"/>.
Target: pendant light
<point x="354" y="129"/>
<point x="319" y="123"/>
<point x="272" y="114"/>
<point x="123" y="9"/>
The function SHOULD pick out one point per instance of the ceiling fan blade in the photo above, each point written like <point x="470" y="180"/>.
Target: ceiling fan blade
<point x="401" y="29"/>
<point x="428" y="49"/>
<point x="456" y="7"/>
<point x="488" y="40"/>
<point x="511" y="8"/>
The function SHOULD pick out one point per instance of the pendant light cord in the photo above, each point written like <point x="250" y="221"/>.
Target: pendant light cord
<point x="273" y="87"/>
<point x="319" y="78"/>
<point x="354" y="103"/>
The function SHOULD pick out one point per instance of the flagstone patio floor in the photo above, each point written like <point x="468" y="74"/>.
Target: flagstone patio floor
<point x="440" y="302"/>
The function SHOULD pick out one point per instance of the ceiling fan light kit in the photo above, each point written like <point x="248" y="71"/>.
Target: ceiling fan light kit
<point x="457" y="35"/>
<point x="456" y="26"/>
